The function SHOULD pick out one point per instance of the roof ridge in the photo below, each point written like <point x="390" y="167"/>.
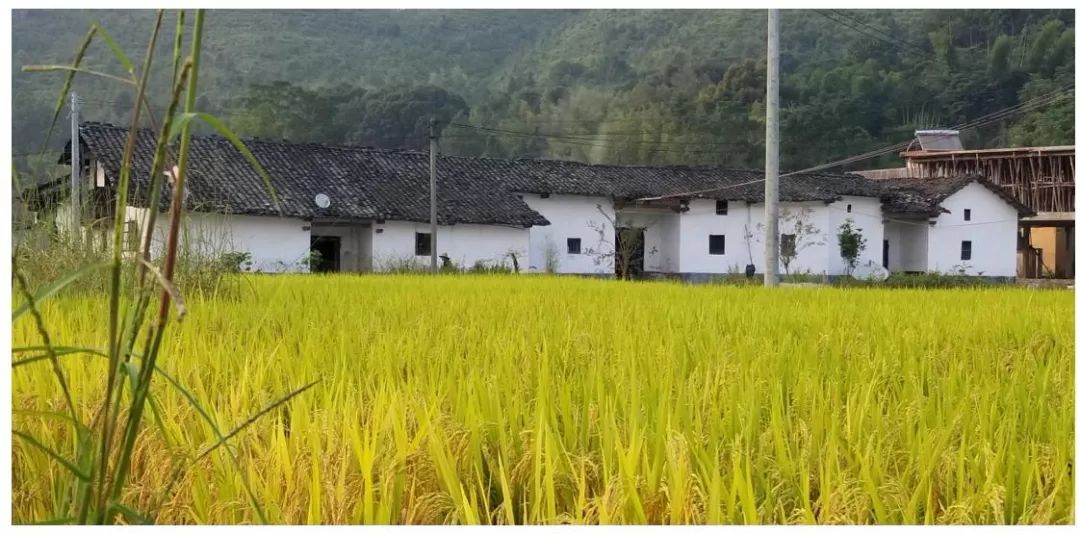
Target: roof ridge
<point x="364" y="148"/>
<point x="269" y="140"/>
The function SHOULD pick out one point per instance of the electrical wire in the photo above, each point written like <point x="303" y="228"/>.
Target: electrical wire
<point x="990" y="118"/>
<point x="583" y="141"/>
<point x="861" y="27"/>
<point x="980" y="122"/>
<point x="849" y="26"/>
<point x="884" y="219"/>
<point x="885" y="33"/>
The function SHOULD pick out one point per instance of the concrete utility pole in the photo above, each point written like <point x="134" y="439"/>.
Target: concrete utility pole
<point x="76" y="171"/>
<point x="772" y="152"/>
<point x="433" y="137"/>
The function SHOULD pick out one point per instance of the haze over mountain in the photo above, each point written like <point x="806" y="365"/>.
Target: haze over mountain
<point x="638" y="87"/>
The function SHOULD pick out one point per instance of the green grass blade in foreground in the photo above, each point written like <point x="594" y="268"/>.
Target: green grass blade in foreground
<point x="114" y="388"/>
<point x="68" y="464"/>
<point x="250" y="420"/>
<point x="185" y="119"/>
<point x="75" y="70"/>
<point x="120" y="55"/>
<point x="58" y="351"/>
<point x="80" y="53"/>
<point x="52" y="289"/>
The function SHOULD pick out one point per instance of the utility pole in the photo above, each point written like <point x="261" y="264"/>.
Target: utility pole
<point x="433" y="137"/>
<point x="772" y="152"/>
<point x="76" y="172"/>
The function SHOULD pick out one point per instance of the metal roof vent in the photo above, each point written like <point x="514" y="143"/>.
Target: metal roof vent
<point x="939" y="140"/>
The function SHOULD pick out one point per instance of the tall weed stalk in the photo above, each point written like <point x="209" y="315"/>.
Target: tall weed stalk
<point x="104" y="446"/>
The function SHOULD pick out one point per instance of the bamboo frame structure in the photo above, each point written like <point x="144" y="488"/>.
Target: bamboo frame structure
<point x="1042" y="178"/>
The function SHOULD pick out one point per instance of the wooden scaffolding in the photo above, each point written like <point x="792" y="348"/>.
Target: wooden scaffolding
<point x="1041" y="178"/>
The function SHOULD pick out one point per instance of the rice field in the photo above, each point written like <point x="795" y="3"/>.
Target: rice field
<point x="530" y="399"/>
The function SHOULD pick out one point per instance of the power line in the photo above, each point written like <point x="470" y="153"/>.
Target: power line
<point x="850" y="15"/>
<point x="848" y="20"/>
<point x="583" y="141"/>
<point x="861" y="27"/>
<point x="990" y="118"/>
<point x="588" y="137"/>
<point x="849" y="26"/>
<point x="40" y="152"/>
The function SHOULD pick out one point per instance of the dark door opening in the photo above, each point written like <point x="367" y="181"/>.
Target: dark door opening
<point x="325" y="254"/>
<point x="885" y="254"/>
<point x="629" y="252"/>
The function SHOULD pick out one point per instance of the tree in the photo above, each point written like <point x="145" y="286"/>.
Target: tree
<point x="999" y="58"/>
<point x="285" y="111"/>
<point x="652" y="87"/>
<point x="629" y="244"/>
<point x="796" y="235"/>
<point x="398" y="117"/>
<point x="852" y="244"/>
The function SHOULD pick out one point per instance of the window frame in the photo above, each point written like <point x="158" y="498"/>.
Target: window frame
<point x="417" y="242"/>
<point x="132" y="236"/>
<point x="723" y="245"/>
<point x="721" y="207"/>
<point x="966" y="246"/>
<point x="790" y="237"/>
<point x="573" y="245"/>
<point x="967" y="214"/>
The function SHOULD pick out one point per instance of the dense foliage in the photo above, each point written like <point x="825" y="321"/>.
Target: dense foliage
<point x="601" y="86"/>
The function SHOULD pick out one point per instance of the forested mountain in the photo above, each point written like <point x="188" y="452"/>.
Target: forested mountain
<point x="601" y="86"/>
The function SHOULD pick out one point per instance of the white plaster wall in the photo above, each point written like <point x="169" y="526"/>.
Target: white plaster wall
<point x="744" y="231"/>
<point x="465" y="244"/>
<point x="813" y="249"/>
<point x="700" y="221"/>
<point x="866" y="216"/>
<point x="355" y="251"/>
<point x="991" y="230"/>
<point x="907" y="245"/>
<point x="661" y="240"/>
<point x="571" y="216"/>
<point x="276" y="244"/>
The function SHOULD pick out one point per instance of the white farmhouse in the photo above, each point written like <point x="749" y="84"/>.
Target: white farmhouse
<point x="694" y="222"/>
<point x="354" y="209"/>
<point x="362" y="209"/>
<point x="964" y="224"/>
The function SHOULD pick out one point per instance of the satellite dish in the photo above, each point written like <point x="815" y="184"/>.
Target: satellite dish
<point x="322" y="200"/>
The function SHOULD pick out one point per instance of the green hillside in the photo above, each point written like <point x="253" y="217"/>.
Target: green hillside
<point x="603" y="86"/>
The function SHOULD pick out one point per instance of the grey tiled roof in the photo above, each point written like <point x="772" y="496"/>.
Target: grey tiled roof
<point x="361" y="183"/>
<point x="367" y="183"/>
<point x="630" y="182"/>
<point x="923" y="196"/>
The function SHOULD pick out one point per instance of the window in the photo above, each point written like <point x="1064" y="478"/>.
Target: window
<point x="573" y="245"/>
<point x="721" y="207"/>
<point x="423" y="244"/>
<point x="967" y="215"/>
<point x="849" y="208"/>
<point x="965" y="250"/>
<point x="787" y="244"/>
<point x="131" y="236"/>
<point x="716" y="245"/>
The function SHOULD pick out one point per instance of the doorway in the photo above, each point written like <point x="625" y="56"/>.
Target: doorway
<point x="885" y="254"/>
<point x="629" y="249"/>
<point x="325" y="254"/>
